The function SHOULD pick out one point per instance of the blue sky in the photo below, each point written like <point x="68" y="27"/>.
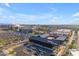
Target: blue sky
<point x="39" y="13"/>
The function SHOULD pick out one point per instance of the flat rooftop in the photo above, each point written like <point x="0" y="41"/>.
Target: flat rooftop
<point x="74" y="52"/>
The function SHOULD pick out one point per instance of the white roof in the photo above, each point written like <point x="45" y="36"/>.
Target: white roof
<point x="74" y="52"/>
<point x="44" y="35"/>
<point x="65" y="30"/>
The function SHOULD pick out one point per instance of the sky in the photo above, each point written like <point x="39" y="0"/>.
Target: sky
<point x="39" y="13"/>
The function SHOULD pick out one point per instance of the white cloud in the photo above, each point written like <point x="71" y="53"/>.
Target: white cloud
<point x="32" y="17"/>
<point x="1" y="11"/>
<point x="53" y="9"/>
<point x="76" y="14"/>
<point x="28" y="18"/>
<point x="53" y="20"/>
<point x="7" y="4"/>
<point x="76" y="19"/>
<point x="55" y="17"/>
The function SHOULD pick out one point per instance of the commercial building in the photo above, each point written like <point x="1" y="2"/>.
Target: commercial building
<point x="47" y="44"/>
<point x="46" y="41"/>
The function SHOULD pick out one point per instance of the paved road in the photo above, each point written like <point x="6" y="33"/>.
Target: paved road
<point x="78" y="40"/>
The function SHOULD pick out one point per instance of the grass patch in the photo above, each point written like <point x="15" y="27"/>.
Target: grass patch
<point x="2" y="42"/>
